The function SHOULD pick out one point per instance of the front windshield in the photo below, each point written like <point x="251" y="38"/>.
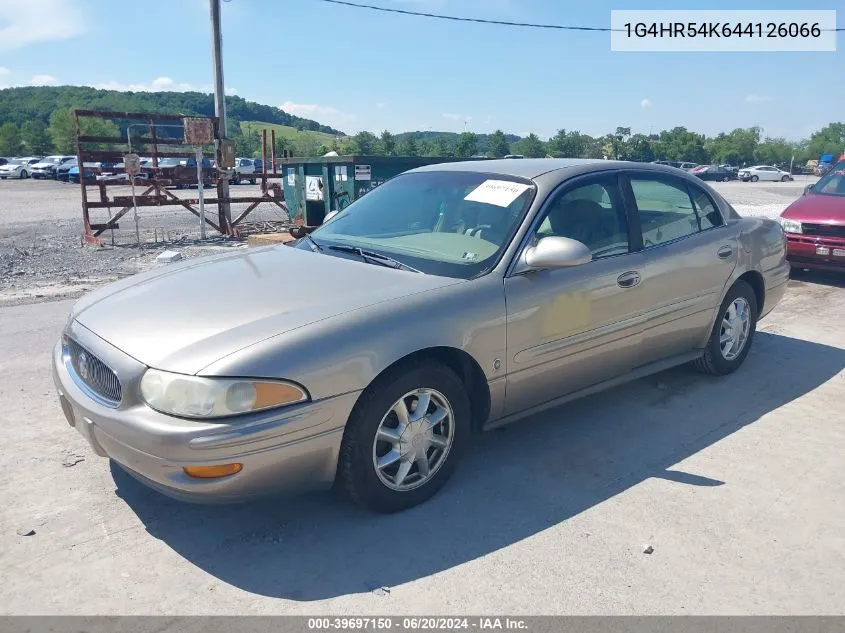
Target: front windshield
<point x="18" y="161"/>
<point x="51" y="160"/>
<point x="833" y="182"/>
<point x="455" y="224"/>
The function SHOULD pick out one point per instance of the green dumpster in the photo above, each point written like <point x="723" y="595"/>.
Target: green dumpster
<point x="314" y="187"/>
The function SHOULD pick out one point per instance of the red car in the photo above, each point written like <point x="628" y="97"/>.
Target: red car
<point x="815" y="224"/>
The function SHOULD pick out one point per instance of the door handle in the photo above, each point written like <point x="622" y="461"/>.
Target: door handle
<point x="628" y="279"/>
<point x="724" y="252"/>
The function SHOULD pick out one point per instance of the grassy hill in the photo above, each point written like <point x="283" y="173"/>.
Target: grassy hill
<point x="288" y="132"/>
<point x="37" y="103"/>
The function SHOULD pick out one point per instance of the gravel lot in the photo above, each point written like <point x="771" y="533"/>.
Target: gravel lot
<point x="41" y="250"/>
<point x="736" y="483"/>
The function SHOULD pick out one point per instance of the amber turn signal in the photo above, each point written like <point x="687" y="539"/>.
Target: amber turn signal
<point x="212" y="472"/>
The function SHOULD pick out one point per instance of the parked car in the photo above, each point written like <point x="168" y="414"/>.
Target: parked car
<point x="815" y="224"/>
<point x="764" y="172"/>
<point x="18" y="167"/>
<point x="91" y="171"/>
<point x="46" y="167"/>
<point x="450" y="299"/>
<point x="245" y="170"/>
<point x="3" y="160"/>
<point x="63" y="170"/>
<point x="713" y="172"/>
<point x="687" y="166"/>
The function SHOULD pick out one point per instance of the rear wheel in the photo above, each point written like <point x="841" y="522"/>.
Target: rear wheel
<point x="725" y="179"/>
<point x="733" y="333"/>
<point x="405" y="437"/>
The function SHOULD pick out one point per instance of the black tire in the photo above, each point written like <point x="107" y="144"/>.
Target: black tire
<point x="725" y="179"/>
<point x="785" y="179"/>
<point x="357" y="476"/>
<point x="252" y="181"/>
<point x="712" y="361"/>
<point x="754" y="178"/>
<point x="24" y="174"/>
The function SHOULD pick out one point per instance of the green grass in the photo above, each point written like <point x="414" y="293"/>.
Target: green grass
<point x="285" y="131"/>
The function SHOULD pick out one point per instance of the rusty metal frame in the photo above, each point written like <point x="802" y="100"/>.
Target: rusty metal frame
<point x="156" y="192"/>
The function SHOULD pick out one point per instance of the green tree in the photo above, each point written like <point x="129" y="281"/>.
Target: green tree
<point x="441" y="147"/>
<point x="368" y="144"/>
<point x="638" y="148"/>
<point x="349" y="147"/>
<point x="35" y="137"/>
<point x="570" y="144"/>
<point x="408" y="146"/>
<point x="466" y="144"/>
<point x="388" y="143"/>
<point x="737" y="147"/>
<point x="61" y="131"/>
<point x="828" y="140"/>
<point x="681" y="144"/>
<point x="10" y="139"/>
<point x="497" y="145"/>
<point x="775" y="151"/>
<point x="531" y="147"/>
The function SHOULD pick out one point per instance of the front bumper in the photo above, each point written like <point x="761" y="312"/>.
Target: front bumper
<point x="286" y="451"/>
<point x="814" y="252"/>
<point x="42" y="173"/>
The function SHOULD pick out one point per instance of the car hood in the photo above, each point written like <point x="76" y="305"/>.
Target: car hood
<point x="183" y="317"/>
<point x="817" y="209"/>
<point x="42" y="165"/>
<point x="9" y="167"/>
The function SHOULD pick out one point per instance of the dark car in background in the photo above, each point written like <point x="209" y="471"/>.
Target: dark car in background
<point x="815" y="224"/>
<point x="63" y="170"/>
<point x="714" y="172"/>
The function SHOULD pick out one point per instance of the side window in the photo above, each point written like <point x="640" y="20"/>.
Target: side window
<point x="666" y="210"/>
<point x="708" y="214"/>
<point x="592" y="214"/>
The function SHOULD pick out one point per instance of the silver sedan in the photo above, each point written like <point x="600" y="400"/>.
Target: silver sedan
<point x="449" y="300"/>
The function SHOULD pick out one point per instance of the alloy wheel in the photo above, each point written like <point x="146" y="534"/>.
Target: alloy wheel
<point x="413" y="439"/>
<point x="735" y="327"/>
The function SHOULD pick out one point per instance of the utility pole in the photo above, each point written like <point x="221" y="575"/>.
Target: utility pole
<point x="220" y="99"/>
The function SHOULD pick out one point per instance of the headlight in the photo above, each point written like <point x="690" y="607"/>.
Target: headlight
<point x="790" y="226"/>
<point x="196" y="397"/>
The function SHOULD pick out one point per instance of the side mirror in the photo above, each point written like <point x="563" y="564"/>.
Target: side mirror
<point x="808" y="189"/>
<point x="558" y="252"/>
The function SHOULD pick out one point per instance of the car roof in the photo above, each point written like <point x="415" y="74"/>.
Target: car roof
<point x="534" y="167"/>
<point x="519" y="167"/>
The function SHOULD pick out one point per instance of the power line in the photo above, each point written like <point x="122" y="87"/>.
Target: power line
<point x="559" y="27"/>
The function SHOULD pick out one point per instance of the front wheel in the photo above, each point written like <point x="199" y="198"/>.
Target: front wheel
<point x="405" y="437"/>
<point x="733" y="333"/>
<point x="24" y="174"/>
<point x="754" y="178"/>
<point x="785" y="179"/>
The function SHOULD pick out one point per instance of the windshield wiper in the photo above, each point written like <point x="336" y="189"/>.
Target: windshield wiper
<point x="314" y="246"/>
<point x="374" y="258"/>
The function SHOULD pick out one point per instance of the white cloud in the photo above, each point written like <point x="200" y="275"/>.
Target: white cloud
<point x="4" y="71"/>
<point x="380" y="105"/>
<point x="26" y="22"/>
<point x="645" y="103"/>
<point x="159" y="84"/>
<point x="755" y="98"/>
<point x="451" y="116"/>
<point x="42" y="80"/>
<point x="327" y="115"/>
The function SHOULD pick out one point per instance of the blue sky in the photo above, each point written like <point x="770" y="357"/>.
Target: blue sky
<point x="356" y="69"/>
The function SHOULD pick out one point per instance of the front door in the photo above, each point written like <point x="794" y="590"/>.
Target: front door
<point x="570" y="328"/>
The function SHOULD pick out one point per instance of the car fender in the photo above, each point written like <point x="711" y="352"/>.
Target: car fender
<point x="347" y="353"/>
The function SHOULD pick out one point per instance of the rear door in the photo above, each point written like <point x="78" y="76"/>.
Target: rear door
<point x="689" y="254"/>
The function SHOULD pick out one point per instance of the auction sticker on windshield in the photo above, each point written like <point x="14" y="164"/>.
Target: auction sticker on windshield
<point x="498" y="192"/>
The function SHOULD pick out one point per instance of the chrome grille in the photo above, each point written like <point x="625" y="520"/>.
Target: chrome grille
<point x="825" y="230"/>
<point x="94" y="373"/>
